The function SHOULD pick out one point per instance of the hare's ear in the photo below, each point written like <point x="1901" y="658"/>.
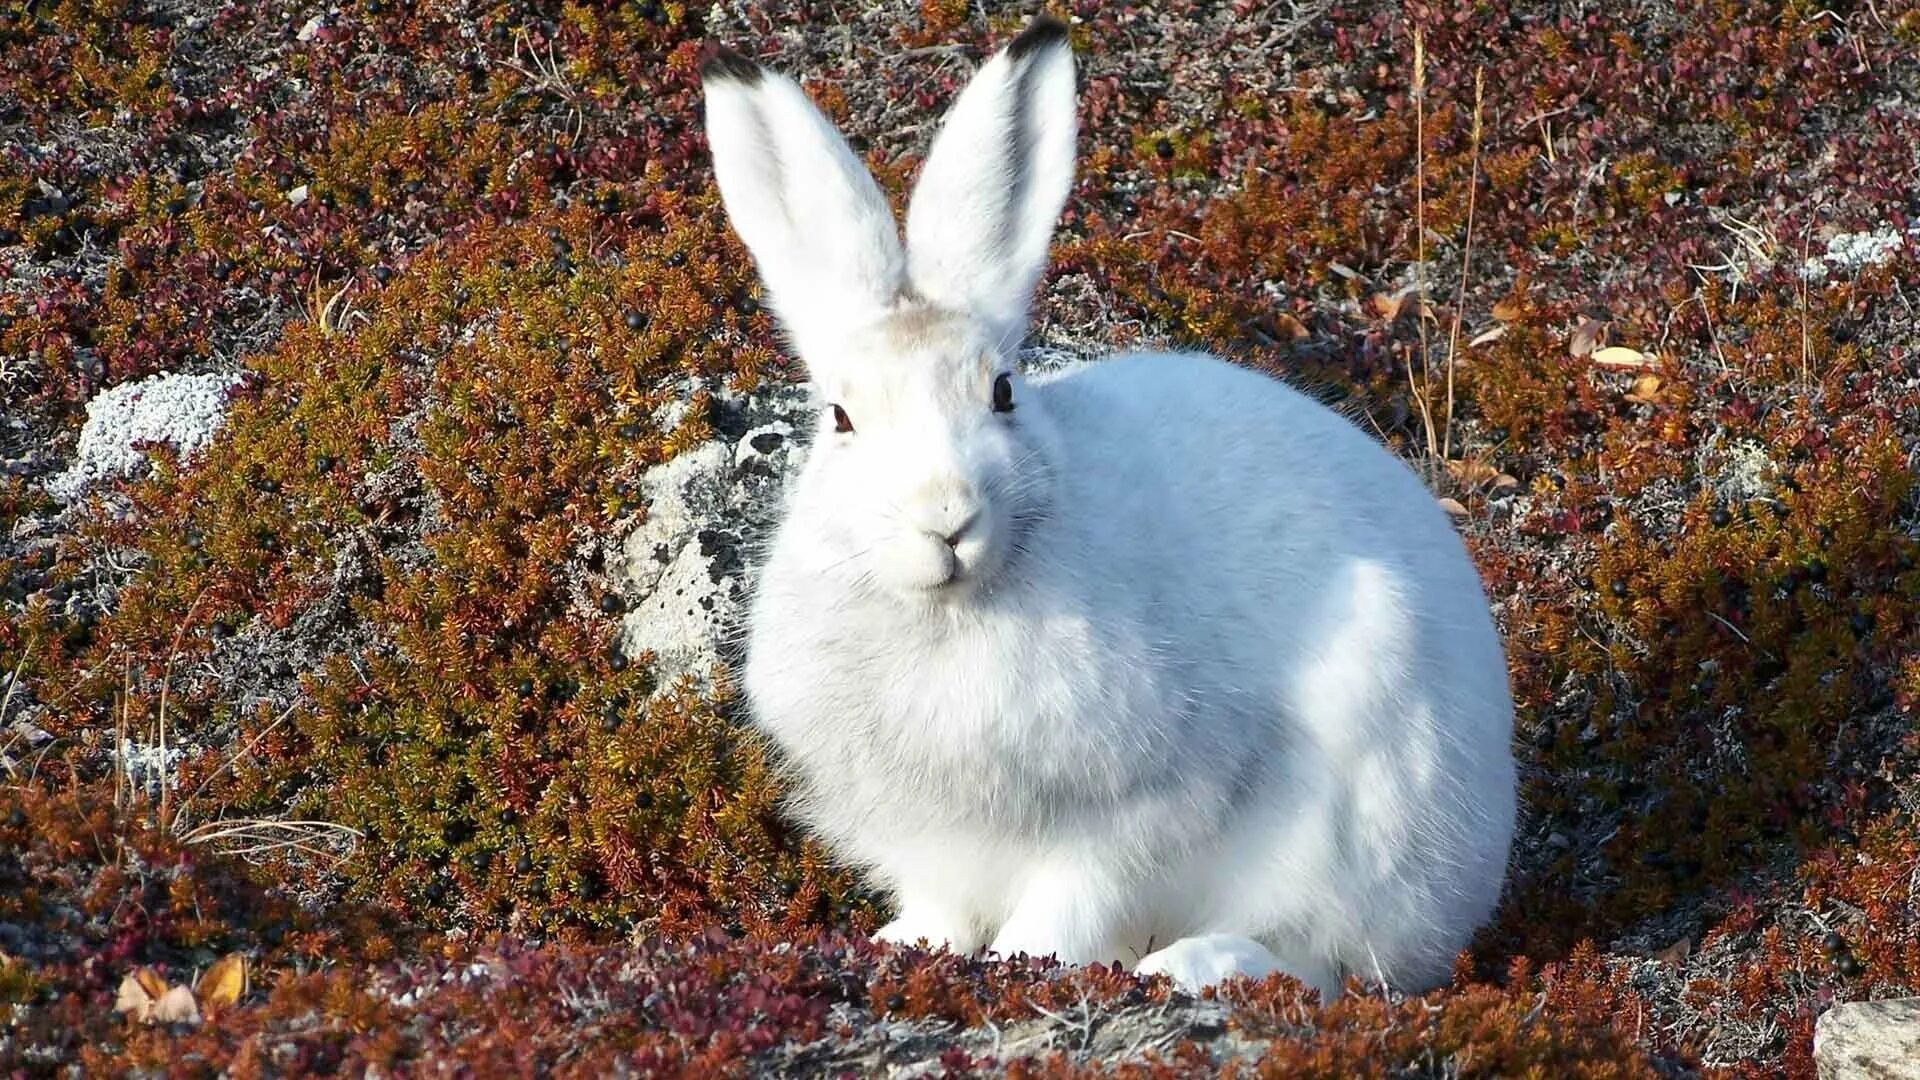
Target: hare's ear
<point x="984" y="208"/>
<point x="824" y="237"/>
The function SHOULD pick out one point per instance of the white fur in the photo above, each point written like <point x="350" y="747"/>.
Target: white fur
<point x="981" y="218"/>
<point x="1195" y="963"/>
<point x="1204" y="667"/>
<point x="828" y="248"/>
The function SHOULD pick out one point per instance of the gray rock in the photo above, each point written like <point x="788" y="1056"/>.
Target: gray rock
<point x="1869" y="1040"/>
<point x="685" y="569"/>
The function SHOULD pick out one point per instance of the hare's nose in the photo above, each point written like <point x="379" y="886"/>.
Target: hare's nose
<point x="959" y="533"/>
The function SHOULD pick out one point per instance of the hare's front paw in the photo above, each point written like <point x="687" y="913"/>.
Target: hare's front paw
<point x="1068" y="933"/>
<point x="916" y="925"/>
<point x="1195" y="963"/>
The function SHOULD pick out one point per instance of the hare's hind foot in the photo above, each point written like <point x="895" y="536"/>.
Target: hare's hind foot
<point x="1195" y="963"/>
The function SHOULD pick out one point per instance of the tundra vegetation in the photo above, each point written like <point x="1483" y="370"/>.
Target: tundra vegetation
<point x="342" y="690"/>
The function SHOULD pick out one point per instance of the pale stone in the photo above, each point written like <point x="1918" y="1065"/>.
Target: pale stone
<point x="1869" y="1040"/>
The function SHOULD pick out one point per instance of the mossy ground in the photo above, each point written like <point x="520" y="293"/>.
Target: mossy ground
<point x="465" y="255"/>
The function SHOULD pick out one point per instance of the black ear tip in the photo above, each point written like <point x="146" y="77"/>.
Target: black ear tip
<point x="726" y="65"/>
<point x="1044" y="31"/>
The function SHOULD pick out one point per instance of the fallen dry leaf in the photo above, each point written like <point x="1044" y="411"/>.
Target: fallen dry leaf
<point x="150" y="981"/>
<point x="1646" y="390"/>
<point x="1619" y="356"/>
<point x="1675" y="954"/>
<point x="1472" y="472"/>
<point x="1293" y="328"/>
<point x="1587" y="337"/>
<point x="1477" y="473"/>
<point x="147" y="999"/>
<point x="1514" y="306"/>
<point x="225" y="982"/>
<point x="1487" y="336"/>
<point x="134" y="1000"/>
<point x="176" y="1006"/>
<point x="1453" y="507"/>
<point x="1388" y="307"/>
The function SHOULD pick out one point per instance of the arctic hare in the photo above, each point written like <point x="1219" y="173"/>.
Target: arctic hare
<point x="1158" y="652"/>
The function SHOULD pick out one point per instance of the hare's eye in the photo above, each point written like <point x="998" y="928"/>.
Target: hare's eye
<point x="1003" y="393"/>
<point x="841" y="422"/>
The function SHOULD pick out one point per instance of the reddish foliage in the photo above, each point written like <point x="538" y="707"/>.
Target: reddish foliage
<point x="1708" y="583"/>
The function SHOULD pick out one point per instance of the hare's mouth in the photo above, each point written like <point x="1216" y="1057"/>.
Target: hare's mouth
<point x="962" y="571"/>
<point x="959" y="573"/>
<point x="941" y="567"/>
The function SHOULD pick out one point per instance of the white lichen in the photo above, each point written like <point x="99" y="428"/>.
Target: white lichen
<point x="180" y="411"/>
<point x="1744" y="472"/>
<point x="1851" y="252"/>
<point x="149" y="767"/>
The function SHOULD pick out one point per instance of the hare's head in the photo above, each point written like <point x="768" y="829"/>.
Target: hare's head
<point x="943" y="458"/>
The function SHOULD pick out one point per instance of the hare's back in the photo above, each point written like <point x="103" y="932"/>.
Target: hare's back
<point x="1225" y="452"/>
<point x="1291" y="559"/>
<point x="1267" y="519"/>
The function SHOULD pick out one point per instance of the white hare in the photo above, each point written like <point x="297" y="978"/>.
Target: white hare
<point x="1158" y="653"/>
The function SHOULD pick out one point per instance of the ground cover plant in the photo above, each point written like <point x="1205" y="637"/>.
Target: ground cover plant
<point x="344" y="690"/>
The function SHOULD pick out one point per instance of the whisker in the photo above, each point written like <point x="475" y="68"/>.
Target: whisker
<point x="837" y="564"/>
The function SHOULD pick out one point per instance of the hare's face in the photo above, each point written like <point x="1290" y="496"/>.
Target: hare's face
<point x="933" y="447"/>
<point x="932" y="454"/>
